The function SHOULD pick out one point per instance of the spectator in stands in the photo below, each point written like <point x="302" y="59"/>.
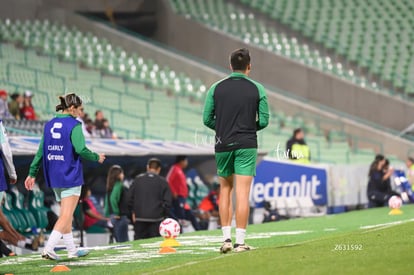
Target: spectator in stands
<point x="379" y="187"/>
<point x="90" y="127"/>
<point x="209" y="206"/>
<point x="82" y="117"/>
<point x="27" y="111"/>
<point x="106" y="131"/>
<point x="8" y="233"/>
<point x="99" y="119"/>
<point x="178" y="184"/>
<point x="297" y="148"/>
<point x="4" y="108"/>
<point x="116" y="203"/>
<point x="15" y="105"/>
<point x="91" y="215"/>
<point x="149" y="201"/>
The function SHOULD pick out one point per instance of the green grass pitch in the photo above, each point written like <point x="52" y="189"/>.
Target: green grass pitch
<point x="359" y="242"/>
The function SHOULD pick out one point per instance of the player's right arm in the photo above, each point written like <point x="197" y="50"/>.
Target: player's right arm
<point x="34" y="167"/>
<point x="262" y="110"/>
<point x="209" y="118"/>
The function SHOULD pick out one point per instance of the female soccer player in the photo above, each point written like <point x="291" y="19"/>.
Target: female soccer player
<point x="60" y="151"/>
<point x="116" y="203"/>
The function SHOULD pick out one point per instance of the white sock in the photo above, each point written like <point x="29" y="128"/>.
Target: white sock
<point x="226" y="232"/>
<point x="240" y="234"/>
<point x="54" y="238"/>
<point x="70" y="244"/>
<point x="21" y="244"/>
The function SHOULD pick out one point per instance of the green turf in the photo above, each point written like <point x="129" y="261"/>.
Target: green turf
<point x="371" y="242"/>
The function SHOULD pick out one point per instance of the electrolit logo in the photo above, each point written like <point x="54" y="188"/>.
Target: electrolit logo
<point x="272" y="190"/>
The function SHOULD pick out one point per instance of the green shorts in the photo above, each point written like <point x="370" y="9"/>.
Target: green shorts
<point x="239" y="162"/>
<point x="61" y="193"/>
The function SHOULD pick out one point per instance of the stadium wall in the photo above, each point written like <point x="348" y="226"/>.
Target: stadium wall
<point x="214" y="46"/>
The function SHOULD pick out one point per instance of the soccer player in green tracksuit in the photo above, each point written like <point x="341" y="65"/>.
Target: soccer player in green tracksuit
<point x="236" y="108"/>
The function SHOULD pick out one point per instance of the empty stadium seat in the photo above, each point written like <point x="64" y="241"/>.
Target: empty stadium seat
<point x="364" y="32"/>
<point x="335" y="25"/>
<point x="37" y="208"/>
<point x="18" y="206"/>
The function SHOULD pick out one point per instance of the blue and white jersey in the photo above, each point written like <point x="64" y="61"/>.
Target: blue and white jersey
<point x="61" y="164"/>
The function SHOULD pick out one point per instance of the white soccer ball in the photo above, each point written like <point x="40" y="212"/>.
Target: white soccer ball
<point x="170" y="228"/>
<point x="395" y="202"/>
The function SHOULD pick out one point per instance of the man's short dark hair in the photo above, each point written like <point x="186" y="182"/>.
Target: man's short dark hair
<point x="180" y="158"/>
<point x="154" y="163"/>
<point x="240" y="59"/>
<point x="297" y="131"/>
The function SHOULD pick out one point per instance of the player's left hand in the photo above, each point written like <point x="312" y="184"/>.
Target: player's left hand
<point x="29" y="183"/>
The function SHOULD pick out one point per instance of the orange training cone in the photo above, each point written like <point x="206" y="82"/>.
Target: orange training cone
<point x="60" y="268"/>
<point x="167" y="249"/>
<point x="167" y="246"/>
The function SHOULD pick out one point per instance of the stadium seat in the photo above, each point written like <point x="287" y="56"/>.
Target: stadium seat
<point x="354" y="33"/>
<point x="18" y="206"/>
<point x="17" y="219"/>
<point x="37" y="208"/>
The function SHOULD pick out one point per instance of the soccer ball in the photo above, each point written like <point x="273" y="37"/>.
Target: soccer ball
<point x="395" y="202"/>
<point x="169" y="228"/>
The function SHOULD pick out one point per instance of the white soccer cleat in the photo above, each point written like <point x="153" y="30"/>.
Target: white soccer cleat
<point x="226" y="247"/>
<point x="79" y="253"/>
<point x="50" y="255"/>
<point x="241" y="248"/>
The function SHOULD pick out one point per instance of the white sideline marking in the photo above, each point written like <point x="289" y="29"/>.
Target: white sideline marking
<point x="380" y="226"/>
<point x="146" y="252"/>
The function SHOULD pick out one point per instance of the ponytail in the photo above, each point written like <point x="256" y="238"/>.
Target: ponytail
<point x="62" y="105"/>
<point x="67" y="101"/>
